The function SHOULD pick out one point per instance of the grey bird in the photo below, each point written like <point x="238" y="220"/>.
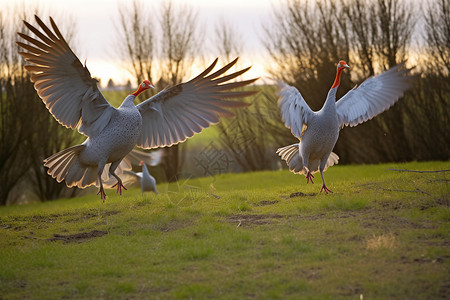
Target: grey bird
<point x="146" y="180"/>
<point x="318" y="131"/>
<point x="73" y="98"/>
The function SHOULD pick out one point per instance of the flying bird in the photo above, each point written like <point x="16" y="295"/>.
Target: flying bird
<point x="318" y="131"/>
<point x="146" y="180"/>
<point x="73" y="98"/>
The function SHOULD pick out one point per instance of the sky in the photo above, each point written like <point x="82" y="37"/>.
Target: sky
<point x="96" y="36"/>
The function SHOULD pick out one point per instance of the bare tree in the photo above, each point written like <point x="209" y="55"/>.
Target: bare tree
<point x="136" y="38"/>
<point x="437" y="24"/>
<point x="227" y="40"/>
<point x="362" y="35"/>
<point x="179" y="41"/>
<point x="304" y="40"/>
<point x="393" y="22"/>
<point x="430" y="119"/>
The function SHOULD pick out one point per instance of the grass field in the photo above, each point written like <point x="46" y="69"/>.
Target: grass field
<point x="382" y="234"/>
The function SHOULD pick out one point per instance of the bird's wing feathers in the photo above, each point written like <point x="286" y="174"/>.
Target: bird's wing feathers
<point x="373" y="96"/>
<point x="178" y="112"/>
<point x="63" y="83"/>
<point x="152" y="159"/>
<point x="294" y="110"/>
<point x="137" y="175"/>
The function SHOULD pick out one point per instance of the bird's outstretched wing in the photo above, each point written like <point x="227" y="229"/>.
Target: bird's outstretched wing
<point x="63" y="83"/>
<point x="294" y="110"/>
<point x="373" y="96"/>
<point x="180" y="111"/>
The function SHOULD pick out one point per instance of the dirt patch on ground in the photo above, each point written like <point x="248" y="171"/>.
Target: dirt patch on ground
<point x="249" y="219"/>
<point x="300" y="194"/>
<point x="78" y="237"/>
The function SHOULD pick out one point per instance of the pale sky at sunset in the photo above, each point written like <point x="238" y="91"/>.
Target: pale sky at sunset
<point x="96" y="35"/>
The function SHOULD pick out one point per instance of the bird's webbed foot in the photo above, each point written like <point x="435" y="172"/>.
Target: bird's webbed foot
<point x="101" y="191"/>
<point x="119" y="187"/>
<point x="324" y="188"/>
<point x="309" y="177"/>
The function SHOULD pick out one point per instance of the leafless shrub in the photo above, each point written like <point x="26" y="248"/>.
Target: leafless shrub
<point x="28" y="132"/>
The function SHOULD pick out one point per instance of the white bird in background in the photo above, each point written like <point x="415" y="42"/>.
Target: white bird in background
<point x="73" y="98"/>
<point x="147" y="181"/>
<point x="319" y="131"/>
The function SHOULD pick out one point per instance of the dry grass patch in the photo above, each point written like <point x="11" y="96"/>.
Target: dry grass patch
<point x="383" y="241"/>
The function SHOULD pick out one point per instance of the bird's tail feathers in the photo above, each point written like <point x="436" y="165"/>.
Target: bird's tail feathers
<point x="314" y="165"/>
<point x="333" y="159"/>
<point x="64" y="165"/>
<point x="292" y="157"/>
<point x="82" y="176"/>
<point x="295" y="162"/>
<point x="60" y="165"/>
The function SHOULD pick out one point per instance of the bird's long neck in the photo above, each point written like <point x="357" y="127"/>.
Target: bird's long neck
<point x="128" y="101"/>
<point x="329" y="104"/>
<point x="337" y="80"/>
<point x="144" y="169"/>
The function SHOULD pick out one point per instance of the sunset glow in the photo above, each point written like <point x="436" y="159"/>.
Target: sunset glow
<point x="96" y="31"/>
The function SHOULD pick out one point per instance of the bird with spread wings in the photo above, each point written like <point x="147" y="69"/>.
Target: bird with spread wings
<point x="73" y="98"/>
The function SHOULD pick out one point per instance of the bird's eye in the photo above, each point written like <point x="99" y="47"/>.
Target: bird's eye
<point x="143" y="84"/>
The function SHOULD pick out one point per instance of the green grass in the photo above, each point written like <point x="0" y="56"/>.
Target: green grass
<point x="382" y="234"/>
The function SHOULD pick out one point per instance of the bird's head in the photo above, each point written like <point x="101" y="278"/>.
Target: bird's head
<point x="145" y="85"/>
<point x="342" y="65"/>
<point x="141" y="163"/>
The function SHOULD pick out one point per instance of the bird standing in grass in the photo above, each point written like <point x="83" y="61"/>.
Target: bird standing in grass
<point x="146" y="180"/>
<point x="318" y="131"/>
<point x="73" y="98"/>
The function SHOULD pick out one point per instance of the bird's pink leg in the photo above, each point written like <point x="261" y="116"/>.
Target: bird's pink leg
<point x="324" y="188"/>
<point x="119" y="184"/>
<point x="309" y="177"/>
<point x="101" y="191"/>
<point x="119" y="187"/>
